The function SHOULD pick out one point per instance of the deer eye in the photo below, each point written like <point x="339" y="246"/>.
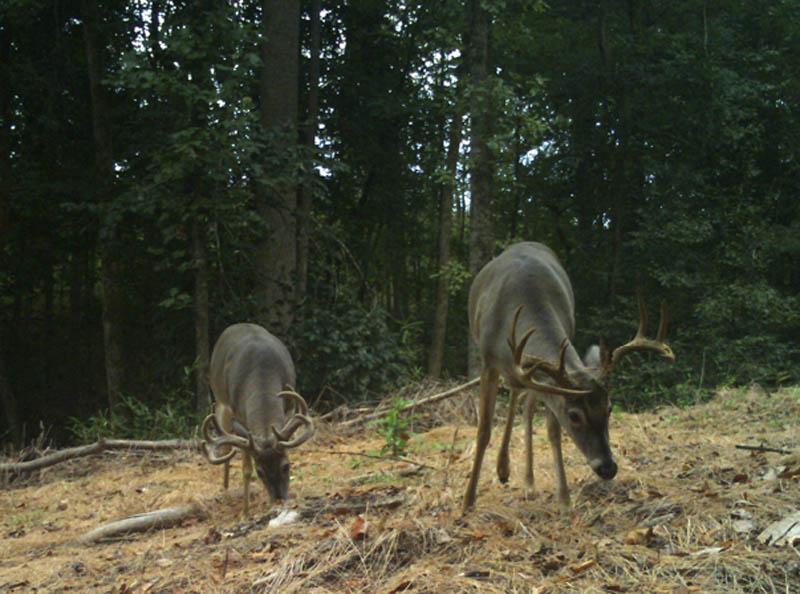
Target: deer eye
<point x="575" y="417"/>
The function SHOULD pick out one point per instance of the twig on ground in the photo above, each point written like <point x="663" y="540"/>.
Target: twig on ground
<point x="374" y="456"/>
<point x="762" y="448"/>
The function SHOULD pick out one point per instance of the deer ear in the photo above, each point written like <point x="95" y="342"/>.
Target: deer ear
<point x="593" y="356"/>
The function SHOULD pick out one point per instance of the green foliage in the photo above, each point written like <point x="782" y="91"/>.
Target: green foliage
<point x="174" y="418"/>
<point x="395" y="428"/>
<point x="133" y="419"/>
<point x="351" y="350"/>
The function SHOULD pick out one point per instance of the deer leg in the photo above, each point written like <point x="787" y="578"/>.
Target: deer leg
<point x="503" y="468"/>
<point x="554" y="435"/>
<point x="225" y="420"/>
<point x="485" y="417"/>
<point x="530" y="408"/>
<point x="247" y="472"/>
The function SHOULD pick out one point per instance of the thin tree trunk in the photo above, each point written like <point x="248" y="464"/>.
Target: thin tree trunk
<point x="201" y="332"/>
<point x="481" y="231"/>
<point x="279" y="82"/>
<point x="309" y="131"/>
<point x="7" y="397"/>
<point x="110" y="273"/>
<point x="436" y="353"/>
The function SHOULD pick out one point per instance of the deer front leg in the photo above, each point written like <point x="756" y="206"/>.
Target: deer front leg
<point x="503" y="468"/>
<point x="485" y="416"/>
<point x="554" y="435"/>
<point x="247" y="473"/>
<point x="225" y="420"/>
<point x="530" y="408"/>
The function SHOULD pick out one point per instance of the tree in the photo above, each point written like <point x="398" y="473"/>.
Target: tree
<point x="481" y="160"/>
<point x="280" y="53"/>
<point x="110" y="272"/>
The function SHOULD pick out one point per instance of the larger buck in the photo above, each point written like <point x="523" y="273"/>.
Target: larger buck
<point x="255" y="411"/>
<point x="526" y="287"/>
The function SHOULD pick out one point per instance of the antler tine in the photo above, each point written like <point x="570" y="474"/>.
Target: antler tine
<point x="297" y="420"/>
<point x="516" y="349"/>
<point x="561" y="352"/>
<point x="663" y="322"/>
<point x="642" y="331"/>
<point x="290" y="394"/>
<point x="641" y="343"/>
<point x="526" y="377"/>
<point x="224" y="438"/>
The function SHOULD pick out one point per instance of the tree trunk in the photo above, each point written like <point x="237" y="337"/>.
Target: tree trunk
<point x="201" y="332"/>
<point x="7" y="397"/>
<point x="481" y="231"/>
<point x="309" y="131"/>
<point x="436" y="353"/>
<point x="279" y="82"/>
<point x="110" y="274"/>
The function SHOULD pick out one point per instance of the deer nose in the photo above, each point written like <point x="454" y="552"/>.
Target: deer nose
<point x="607" y="471"/>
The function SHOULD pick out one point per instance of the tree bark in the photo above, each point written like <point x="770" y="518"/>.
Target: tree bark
<point x="481" y="230"/>
<point x="309" y="131"/>
<point x="201" y="315"/>
<point x="278" y="111"/>
<point x="436" y="353"/>
<point x="110" y="273"/>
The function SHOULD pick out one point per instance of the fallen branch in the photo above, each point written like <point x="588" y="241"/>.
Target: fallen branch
<point x="411" y="405"/>
<point x="98" y="447"/>
<point x="162" y="518"/>
<point x="762" y="448"/>
<point x="374" y="456"/>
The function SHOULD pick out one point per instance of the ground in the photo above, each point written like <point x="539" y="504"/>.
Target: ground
<point x="683" y="514"/>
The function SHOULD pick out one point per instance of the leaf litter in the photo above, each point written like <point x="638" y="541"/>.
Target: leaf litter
<point x="683" y="515"/>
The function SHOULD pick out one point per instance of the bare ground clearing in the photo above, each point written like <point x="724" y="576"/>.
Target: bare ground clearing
<point x="683" y="514"/>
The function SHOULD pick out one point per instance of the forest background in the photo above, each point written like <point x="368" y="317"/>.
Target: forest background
<point x="338" y="171"/>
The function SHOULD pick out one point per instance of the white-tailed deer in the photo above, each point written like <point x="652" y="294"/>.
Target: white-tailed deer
<point x="526" y="288"/>
<point x="255" y="408"/>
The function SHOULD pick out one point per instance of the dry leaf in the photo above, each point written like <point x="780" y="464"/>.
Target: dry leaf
<point x="783" y="532"/>
<point x="640" y="536"/>
<point x="358" y="529"/>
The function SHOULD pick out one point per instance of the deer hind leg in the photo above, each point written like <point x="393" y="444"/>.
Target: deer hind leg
<point x="530" y="408"/>
<point x="503" y="467"/>
<point x="485" y="417"/>
<point x="554" y="435"/>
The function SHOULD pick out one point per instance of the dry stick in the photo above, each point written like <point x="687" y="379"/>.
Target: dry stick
<point x="416" y="403"/>
<point x="162" y="518"/>
<point x="97" y="447"/>
<point x="762" y="448"/>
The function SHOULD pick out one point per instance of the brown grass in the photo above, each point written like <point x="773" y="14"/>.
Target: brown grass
<point x="682" y="515"/>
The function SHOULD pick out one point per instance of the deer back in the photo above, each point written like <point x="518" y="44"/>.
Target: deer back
<point x="527" y="275"/>
<point x="249" y="368"/>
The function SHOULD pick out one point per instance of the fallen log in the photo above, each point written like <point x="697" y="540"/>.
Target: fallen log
<point x="98" y="447"/>
<point x="161" y="518"/>
<point x="411" y="405"/>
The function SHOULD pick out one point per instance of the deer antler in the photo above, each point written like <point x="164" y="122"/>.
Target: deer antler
<point x="640" y="342"/>
<point x="524" y="373"/>
<point x="223" y="438"/>
<point x="297" y="420"/>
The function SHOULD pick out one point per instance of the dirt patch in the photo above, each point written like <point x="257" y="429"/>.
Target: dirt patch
<point x="683" y="514"/>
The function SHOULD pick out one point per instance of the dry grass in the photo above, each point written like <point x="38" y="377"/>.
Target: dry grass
<point x="682" y="516"/>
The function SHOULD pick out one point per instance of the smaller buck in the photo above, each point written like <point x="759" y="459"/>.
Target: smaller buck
<point x="526" y="287"/>
<point x="255" y="409"/>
